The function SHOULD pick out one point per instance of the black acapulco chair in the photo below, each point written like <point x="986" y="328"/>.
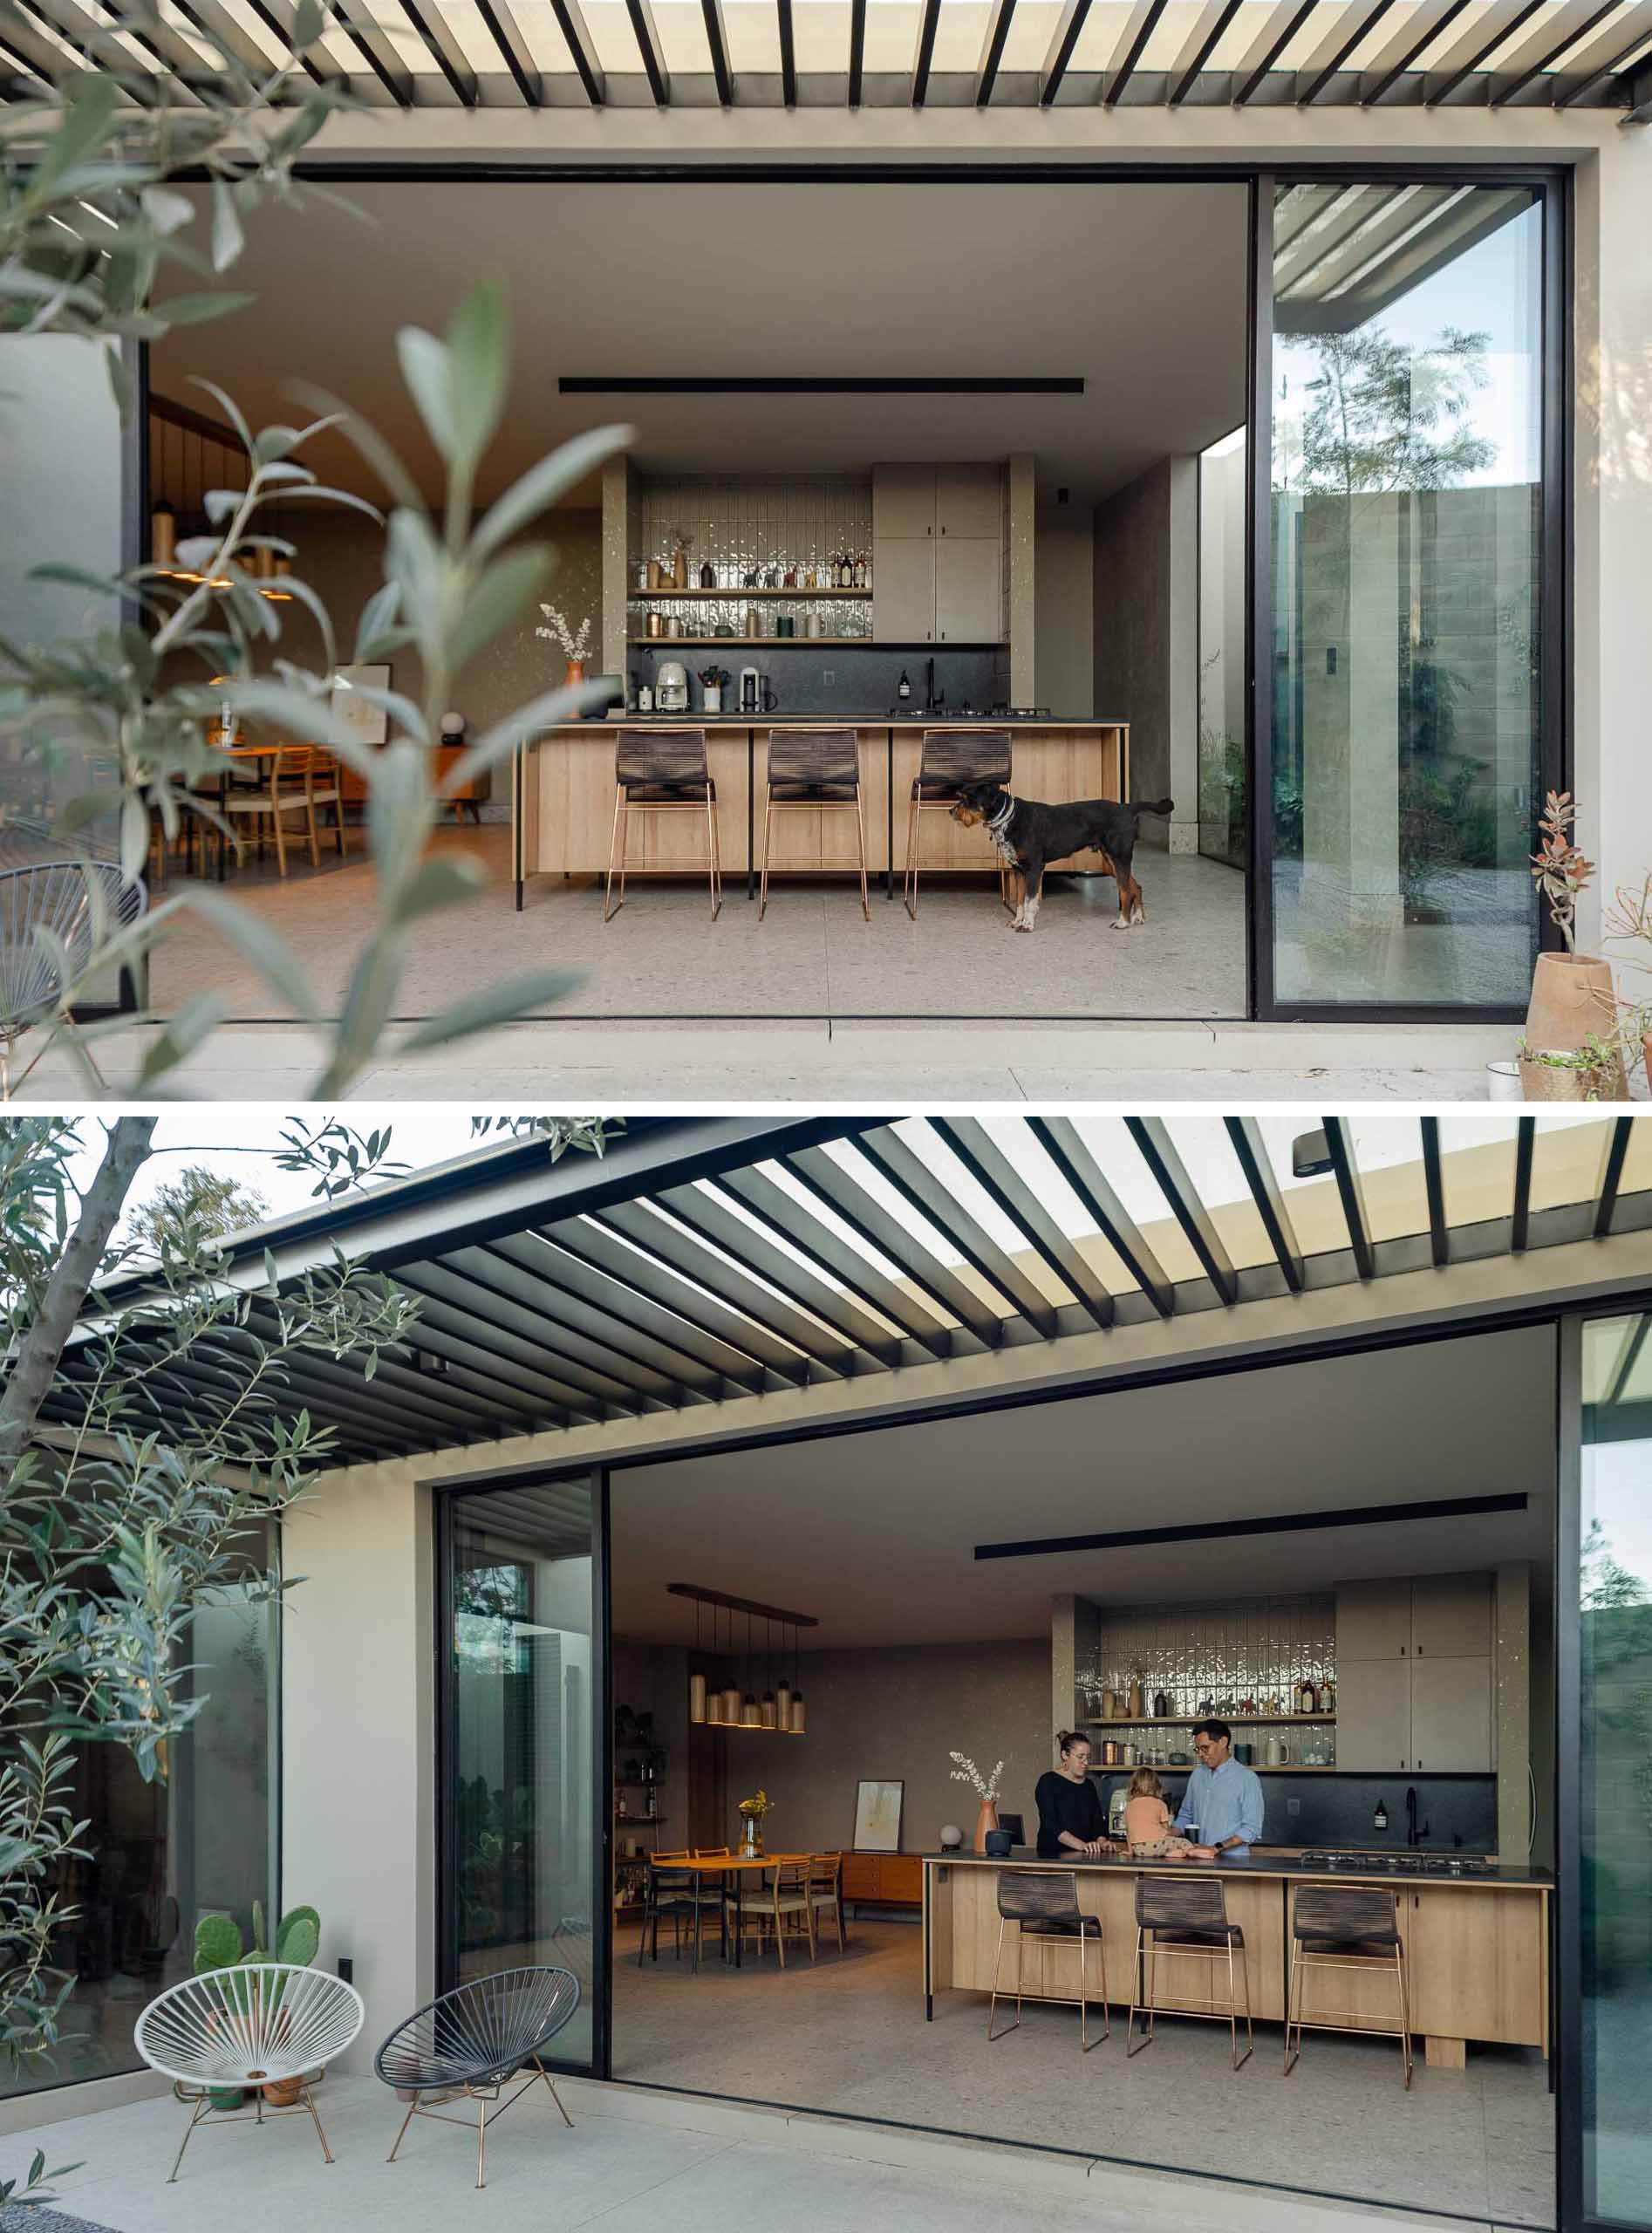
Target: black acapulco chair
<point x="470" y="2043"/>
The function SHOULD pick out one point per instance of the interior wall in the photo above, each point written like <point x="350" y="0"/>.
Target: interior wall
<point x="1145" y="595"/>
<point x="653" y="1679"/>
<point x="1064" y="607"/>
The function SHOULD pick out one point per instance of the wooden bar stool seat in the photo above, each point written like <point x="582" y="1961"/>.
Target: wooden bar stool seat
<point x="661" y="771"/>
<point x="1187" y="1918"/>
<point x="1043" y="1903"/>
<point x="1351" y="1928"/>
<point x="812" y="768"/>
<point x="949" y="760"/>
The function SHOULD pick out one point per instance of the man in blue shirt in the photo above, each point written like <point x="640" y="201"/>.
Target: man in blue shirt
<point x="1223" y="1796"/>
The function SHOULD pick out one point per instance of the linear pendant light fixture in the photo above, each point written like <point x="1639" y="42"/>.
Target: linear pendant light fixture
<point x="781" y="1710"/>
<point x="817" y="384"/>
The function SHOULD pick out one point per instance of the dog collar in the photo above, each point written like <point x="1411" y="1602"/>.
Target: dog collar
<point x="1000" y="822"/>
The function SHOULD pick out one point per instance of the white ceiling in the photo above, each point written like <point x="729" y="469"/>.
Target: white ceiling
<point x="1138" y="289"/>
<point x="875" y="1533"/>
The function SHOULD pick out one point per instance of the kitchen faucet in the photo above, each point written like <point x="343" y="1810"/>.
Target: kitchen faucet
<point x="933" y="699"/>
<point x="1413" y="1835"/>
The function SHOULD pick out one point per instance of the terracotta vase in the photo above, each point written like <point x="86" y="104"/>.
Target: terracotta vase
<point x="985" y="1820"/>
<point x="575" y="675"/>
<point x="1572" y="998"/>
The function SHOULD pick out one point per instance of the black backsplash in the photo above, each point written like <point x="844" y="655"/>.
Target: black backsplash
<point x="864" y="679"/>
<point x="1336" y="1810"/>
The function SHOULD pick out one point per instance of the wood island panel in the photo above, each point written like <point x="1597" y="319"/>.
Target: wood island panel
<point x="570" y="780"/>
<point x="1479" y="1967"/>
<point x="1084" y="761"/>
<point x="824" y="838"/>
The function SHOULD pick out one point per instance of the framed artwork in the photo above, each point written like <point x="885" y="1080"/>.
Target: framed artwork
<point x="877" y="1805"/>
<point x="370" y="722"/>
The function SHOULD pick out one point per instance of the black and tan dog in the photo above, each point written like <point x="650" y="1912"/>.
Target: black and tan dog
<point x="1029" y="836"/>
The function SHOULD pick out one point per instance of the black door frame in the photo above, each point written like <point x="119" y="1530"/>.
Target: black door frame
<point x="1453" y="1324"/>
<point x="1555" y="184"/>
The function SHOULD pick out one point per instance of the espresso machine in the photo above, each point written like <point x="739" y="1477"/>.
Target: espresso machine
<point x="755" y="696"/>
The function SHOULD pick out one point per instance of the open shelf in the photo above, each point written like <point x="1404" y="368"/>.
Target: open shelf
<point x="1243" y="1720"/>
<point x="753" y="642"/>
<point x="733" y="596"/>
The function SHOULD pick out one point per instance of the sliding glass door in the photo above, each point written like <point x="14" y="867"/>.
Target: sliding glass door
<point x="1403" y="725"/>
<point x="523" y="1872"/>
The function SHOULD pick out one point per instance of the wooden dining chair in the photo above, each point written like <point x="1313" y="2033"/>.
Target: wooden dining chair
<point x="815" y="769"/>
<point x="780" y="1904"/>
<point x="678" y="1894"/>
<point x="659" y="772"/>
<point x="826" y="1891"/>
<point x="295" y="779"/>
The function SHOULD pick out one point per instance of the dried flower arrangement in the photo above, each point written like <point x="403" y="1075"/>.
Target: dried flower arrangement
<point x="964" y="1771"/>
<point x="561" y="631"/>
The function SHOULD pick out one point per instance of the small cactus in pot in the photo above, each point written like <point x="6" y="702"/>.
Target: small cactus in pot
<point x="219" y="1945"/>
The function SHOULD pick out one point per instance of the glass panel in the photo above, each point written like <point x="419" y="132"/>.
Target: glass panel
<point x="1407" y="386"/>
<point x="1614" y="1792"/>
<point x="524" y="1737"/>
<point x="1221" y="652"/>
<point x="160" y="1856"/>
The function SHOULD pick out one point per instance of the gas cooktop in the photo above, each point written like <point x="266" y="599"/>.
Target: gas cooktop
<point x="1401" y="1864"/>
<point x="910" y="713"/>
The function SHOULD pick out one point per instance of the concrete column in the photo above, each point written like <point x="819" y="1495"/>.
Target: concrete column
<point x="617" y="535"/>
<point x="1182" y="651"/>
<point x="1063" y="1662"/>
<point x="1512" y="1706"/>
<point x="1023" y="578"/>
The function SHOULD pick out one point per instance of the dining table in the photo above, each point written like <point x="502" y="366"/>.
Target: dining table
<point x="738" y="1866"/>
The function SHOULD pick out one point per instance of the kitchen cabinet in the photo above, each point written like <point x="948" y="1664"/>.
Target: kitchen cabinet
<point x="1373" y="1714"/>
<point x="889" y="1879"/>
<point x="969" y="500"/>
<point x="1451" y="1714"/>
<point x="1373" y="1621"/>
<point x="903" y="502"/>
<point x="903" y="588"/>
<point x="1451" y="1616"/>
<point x="969" y="589"/>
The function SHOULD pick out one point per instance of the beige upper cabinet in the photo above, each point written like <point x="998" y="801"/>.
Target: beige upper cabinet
<point x="903" y="501"/>
<point x="1373" y="1621"/>
<point x="1374" y="1716"/>
<point x="1450" y="1615"/>
<point x="1451" y="1714"/>
<point x="969" y="589"/>
<point x="903" y="588"/>
<point x="969" y="500"/>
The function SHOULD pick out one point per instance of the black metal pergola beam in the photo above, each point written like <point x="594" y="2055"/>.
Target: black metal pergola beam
<point x="792" y="1340"/>
<point x="515" y="1334"/>
<point x="1544" y="52"/>
<point x="506" y="34"/>
<point x="920" y="1186"/>
<point x="999" y="16"/>
<point x="1059" y="1138"/>
<point x="976" y="1149"/>
<point x="1285" y="22"/>
<point x="1520" y="1208"/>
<point x="646" y="34"/>
<point x="96" y="45"/>
<point x="488" y="1348"/>
<point x="1254" y="1159"/>
<point x="168" y="46"/>
<point x="786" y="29"/>
<point x="1058" y="54"/>
<point x="844" y="1195"/>
<point x="1351" y="1191"/>
<point x="375" y="51"/>
<point x="871" y="1305"/>
<point x="1211" y="25"/>
<point x="443" y="49"/>
<point x="570" y="23"/>
<point x="1373" y="14"/>
<point x="1481" y="47"/>
<point x="928" y="16"/>
<point x="857" y="51"/>
<point x="1143" y="22"/>
<point x="1434" y="1186"/>
<point x="1437" y="21"/>
<point x="1151" y="1134"/>
<point x="559" y="1294"/>
<point x="1612" y="1160"/>
<point x="1623" y="55"/>
<point x="719" y="1225"/>
<point x="485" y="1280"/>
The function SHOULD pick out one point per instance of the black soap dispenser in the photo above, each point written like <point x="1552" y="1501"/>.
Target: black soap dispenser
<point x="904" y="689"/>
<point x="1379" y="1820"/>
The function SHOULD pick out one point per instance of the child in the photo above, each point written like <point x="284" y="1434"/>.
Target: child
<point x="1147" y="1821"/>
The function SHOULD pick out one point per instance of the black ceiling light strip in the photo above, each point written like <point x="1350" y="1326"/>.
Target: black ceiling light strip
<point x="571" y="24"/>
<point x="856" y="50"/>
<point x="1413" y="47"/>
<point x="444" y="50"/>
<point x="507" y="37"/>
<point x="831" y="1184"/>
<point x="1289" y="20"/>
<point x="1605" y="1194"/>
<point x="1434" y="1185"/>
<point x="1214" y="22"/>
<point x="866" y="1289"/>
<point x="717" y="42"/>
<point x="997" y="23"/>
<point x="1060" y="1142"/>
<point x="1550" y="53"/>
<point x="981" y="1156"/>
<point x="1151" y="1134"/>
<point x="928" y="16"/>
<point x="1274" y="1523"/>
<point x="1255" y="1161"/>
<point x="1341" y="52"/>
<point x="813" y="384"/>
<point x="1145" y="24"/>
<point x="1339" y="1140"/>
<point x="918" y="1185"/>
<point x="787" y="53"/>
<point x="1478" y="52"/>
<point x="1520" y="1216"/>
<point x="1074" y="14"/>
<point x="646" y="32"/>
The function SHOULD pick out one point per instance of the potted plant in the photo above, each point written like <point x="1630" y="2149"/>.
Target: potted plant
<point x="986" y="1789"/>
<point x="1592" y="1072"/>
<point x="752" y="1812"/>
<point x="574" y="647"/>
<point x="1573" y="1000"/>
<point x="219" y="1945"/>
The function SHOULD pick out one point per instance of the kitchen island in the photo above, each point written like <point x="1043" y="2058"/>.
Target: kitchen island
<point x="562" y="796"/>
<point x="1477" y="1944"/>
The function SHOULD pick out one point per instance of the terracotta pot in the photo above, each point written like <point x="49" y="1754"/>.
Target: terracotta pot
<point x="282" y="2093"/>
<point x="1572" y="998"/>
<point x="985" y="1820"/>
<point x="576" y="673"/>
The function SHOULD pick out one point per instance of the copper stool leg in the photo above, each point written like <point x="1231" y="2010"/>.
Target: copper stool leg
<point x="762" y="882"/>
<point x="860" y="826"/>
<point x="609" y="910"/>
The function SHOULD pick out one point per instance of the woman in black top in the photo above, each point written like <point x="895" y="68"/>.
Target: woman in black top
<point x="1070" y="1820"/>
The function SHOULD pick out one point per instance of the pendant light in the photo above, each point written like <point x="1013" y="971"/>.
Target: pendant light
<point x="799" y="1725"/>
<point x="697" y="1678"/>
<point x="783" y="1695"/>
<point x="163" y="517"/>
<point x="714" y="1695"/>
<point x="731" y="1690"/>
<point x="767" y="1708"/>
<point x="749" y="1716"/>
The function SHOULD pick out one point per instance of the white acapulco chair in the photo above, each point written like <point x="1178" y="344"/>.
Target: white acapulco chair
<point x="260" y="2024"/>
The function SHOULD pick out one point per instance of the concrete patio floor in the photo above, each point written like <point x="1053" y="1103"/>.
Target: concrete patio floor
<point x="635" y="2162"/>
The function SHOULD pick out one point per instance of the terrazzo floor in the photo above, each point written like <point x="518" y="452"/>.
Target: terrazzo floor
<point x="846" y="2034"/>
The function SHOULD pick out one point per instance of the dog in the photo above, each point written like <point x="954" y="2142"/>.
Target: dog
<point x="1029" y="835"/>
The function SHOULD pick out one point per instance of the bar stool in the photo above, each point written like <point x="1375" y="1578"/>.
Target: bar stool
<point x="1335" y="1927"/>
<point x="661" y="771"/>
<point x="1187" y="1916"/>
<point x="1043" y="1903"/>
<point x="949" y="760"/>
<point x="813" y="767"/>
